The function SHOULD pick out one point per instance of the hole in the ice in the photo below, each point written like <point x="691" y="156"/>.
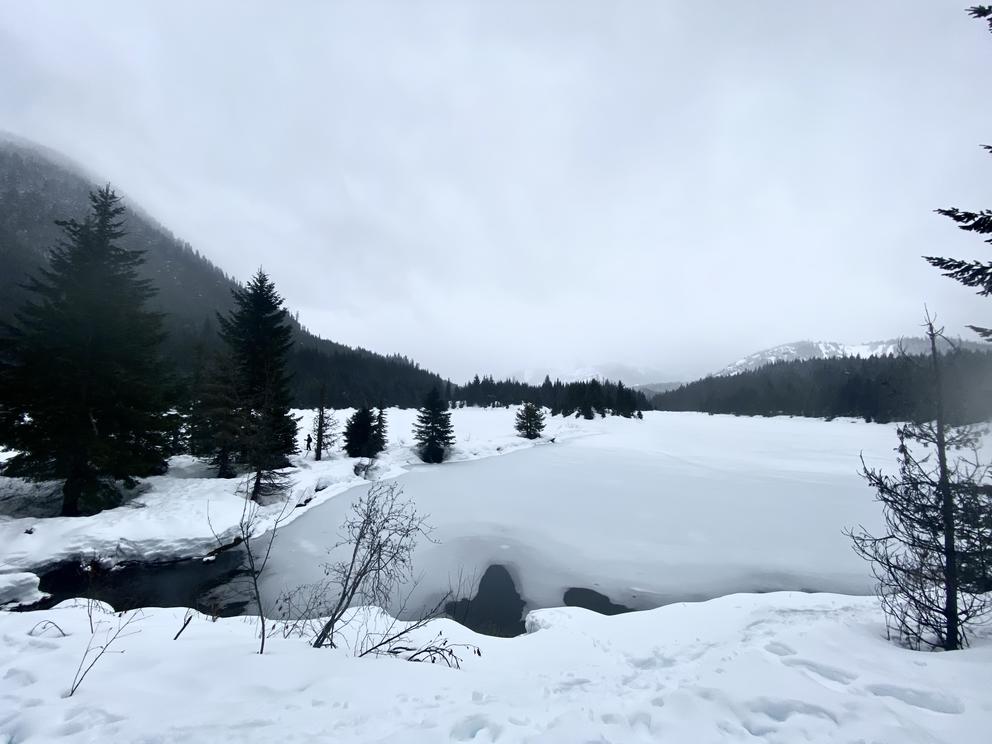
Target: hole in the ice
<point x="590" y="599"/>
<point x="496" y="609"/>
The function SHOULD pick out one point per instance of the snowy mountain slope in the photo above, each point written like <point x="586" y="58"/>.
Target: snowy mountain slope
<point x="830" y="349"/>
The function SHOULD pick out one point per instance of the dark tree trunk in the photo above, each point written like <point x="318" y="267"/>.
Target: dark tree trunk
<point x="951" y="638"/>
<point x="256" y="488"/>
<point x="318" y="452"/>
<point x="224" y="467"/>
<point x="72" y="490"/>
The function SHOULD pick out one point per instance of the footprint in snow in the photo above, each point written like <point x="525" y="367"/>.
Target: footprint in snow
<point x="825" y="671"/>
<point x="926" y="699"/>
<point x="779" y="649"/>
<point x="655" y="661"/>
<point x="780" y="710"/>
<point x="19" y="677"/>
<point x="470" y="727"/>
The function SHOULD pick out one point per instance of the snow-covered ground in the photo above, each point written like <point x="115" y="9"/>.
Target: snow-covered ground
<point x="187" y="513"/>
<point x="781" y="668"/>
<point x="644" y="511"/>
<point x="680" y="506"/>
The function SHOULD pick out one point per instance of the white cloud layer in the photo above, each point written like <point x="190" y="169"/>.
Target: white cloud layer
<point x="494" y="186"/>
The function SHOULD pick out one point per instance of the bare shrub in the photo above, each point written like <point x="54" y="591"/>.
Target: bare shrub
<point x="381" y="531"/>
<point x="256" y="554"/>
<point x="257" y="560"/>
<point x="348" y="607"/>
<point x="95" y="651"/>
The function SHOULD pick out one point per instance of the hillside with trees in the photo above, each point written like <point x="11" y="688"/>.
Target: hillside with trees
<point x="39" y="187"/>
<point x="888" y="388"/>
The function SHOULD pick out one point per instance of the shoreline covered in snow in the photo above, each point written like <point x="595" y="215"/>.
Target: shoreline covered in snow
<point x="187" y="514"/>
<point x="780" y="667"/>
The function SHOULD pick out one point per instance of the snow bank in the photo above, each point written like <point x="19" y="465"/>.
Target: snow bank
<point x="18" y="589"/>
<point x="187" y="513"/>
<point x="781" y="667"/>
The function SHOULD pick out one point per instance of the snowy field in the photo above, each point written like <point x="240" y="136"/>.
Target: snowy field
<point x="645" y="512"/>
<point x="779" y="668"/>
<point x="188" y="513"/>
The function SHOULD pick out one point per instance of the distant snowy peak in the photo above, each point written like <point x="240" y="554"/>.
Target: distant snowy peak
<point x="630" y="376"/>
<point x="831" y="349"/>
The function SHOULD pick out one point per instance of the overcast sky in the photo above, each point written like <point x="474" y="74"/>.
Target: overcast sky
<point x="506" y="185"/>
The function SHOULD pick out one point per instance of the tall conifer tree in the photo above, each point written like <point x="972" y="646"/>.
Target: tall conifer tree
<point x="259" y="337"/>
<point x="976" y="274"/>
<point x="216" y="418"/>
<point x="379" y="431"/>
<point x="358" y="433"/>
<point x="83" y="397"/>
<point x="433" y="432"/>
<point x="323" y="427"/>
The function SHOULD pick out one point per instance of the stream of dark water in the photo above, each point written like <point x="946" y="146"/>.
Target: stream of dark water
<point x="219" y="587"/>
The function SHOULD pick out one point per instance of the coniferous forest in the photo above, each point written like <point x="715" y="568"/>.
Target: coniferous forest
<point x="882" y="389"/>
<point x="587" y="398"/>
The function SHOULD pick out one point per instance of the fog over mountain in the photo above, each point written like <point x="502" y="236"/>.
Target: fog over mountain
<point x="502" y="186"/>
<point x="831" y="349"/>
<point x="630" y="376"/>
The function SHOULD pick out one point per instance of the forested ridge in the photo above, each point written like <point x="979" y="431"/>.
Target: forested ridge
<point x="886" y="388"/>
<point x="38" y="187"/>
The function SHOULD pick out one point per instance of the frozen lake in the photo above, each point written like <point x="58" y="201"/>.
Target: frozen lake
<point x="680" y="506"/>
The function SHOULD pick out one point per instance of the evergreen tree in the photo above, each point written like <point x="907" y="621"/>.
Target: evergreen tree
<point x="530" y="421"/>
<point x="379" y="430"/>
<point x="358" y="433"/>
<point x="585" y="410"/>
<point x="433" y="432"/>
<point x="597" y="397"/>
<point x="934" y="560"/>
<point x="82" y="392"/>
<point x="624" y="402"/>
<point x="197" y="426"/>
<point x="216" y="420"/>
<point x="976" y="274"/>
<point x="259" y="336"/>
<point x="323" y="427"/>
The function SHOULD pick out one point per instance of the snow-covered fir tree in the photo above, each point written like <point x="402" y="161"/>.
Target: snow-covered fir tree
<point x="529" y="422"/>
<point x="433" y="431"/>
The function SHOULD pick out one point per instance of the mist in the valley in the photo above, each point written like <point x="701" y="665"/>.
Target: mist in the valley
<point x="506" y="187"/>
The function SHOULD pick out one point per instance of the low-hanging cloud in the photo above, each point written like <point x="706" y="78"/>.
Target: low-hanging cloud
<point x="497" y="186"/>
